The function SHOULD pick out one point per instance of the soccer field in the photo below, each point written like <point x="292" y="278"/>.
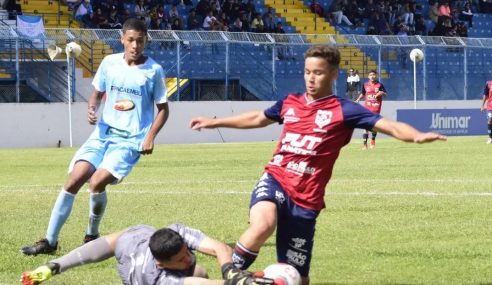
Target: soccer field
<point x="400" y="214"/>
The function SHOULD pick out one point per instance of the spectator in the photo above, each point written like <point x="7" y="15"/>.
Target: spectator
<point x="221" y="24"/>
<point x="420" y="26"/>
<point x="353" y="85"/>
<point x="407" y="14"/>
<point x="99" y="20"/>
<point x="246" y="24"/>
<point x="337" y="12"/>
<point x="467" y="15"/>
<point x="209" y="21"/>
<point x="113" y="19"/>
<point x="353" y="13"/>
<point x="142" y="12"/>
<point x="269" y="22"/>
<point x="369" y="9"/>
<point x="216" y="8"/>
<point x="434" y="12"/>
<point x="398" y="22"/>
<point x="250" y="9"/>
<point x="176" y="24"/>
<point x="237" y="26"/>
<point x="257" y="25"/>
<point x="227" y="8"/>
<point x="84" y="13"/>
<point x="445" y="28"/>
<point x="317" y="8"/>
<point x="194" y="20"/>
<point x="173" y="13"/>
<point x="380" y="25"/>
<point x="203" y="7"/>
<point x="461" y="30"/>
<point x="444" y="12"/>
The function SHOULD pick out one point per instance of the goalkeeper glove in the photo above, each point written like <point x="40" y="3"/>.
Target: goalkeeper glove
<point x="40" y="274"/>
<point x="236" y="276"/>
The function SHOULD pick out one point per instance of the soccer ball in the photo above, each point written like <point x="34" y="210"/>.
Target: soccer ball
<point x="283" y="274"/>
<point x="416" y="55"/>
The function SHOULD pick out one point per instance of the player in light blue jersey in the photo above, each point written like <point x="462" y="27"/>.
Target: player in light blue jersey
<point x="146" y="256"/>
<point x="133" y="84"/>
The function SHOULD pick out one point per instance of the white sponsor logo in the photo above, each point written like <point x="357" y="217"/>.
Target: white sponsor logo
<point x="279" y="196"/>
<point x="296" y="258"/>
<point x="450" y="122"/>
<point x="290" y="116"/>
<point x="236" y="259"/>
<point x="298" y="242"/>
<point x="300" y="168"/>
<point x="295" y="143"/>
<point x="277" y="159"/>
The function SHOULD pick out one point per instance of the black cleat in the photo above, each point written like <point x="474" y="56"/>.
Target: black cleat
<point x="40" y="247"/>
<point x="89" y="238"/>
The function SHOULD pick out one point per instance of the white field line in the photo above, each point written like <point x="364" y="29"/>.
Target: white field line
<point x="242" y="192"/>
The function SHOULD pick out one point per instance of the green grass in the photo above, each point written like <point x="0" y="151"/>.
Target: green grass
<point x="402" y="214"/>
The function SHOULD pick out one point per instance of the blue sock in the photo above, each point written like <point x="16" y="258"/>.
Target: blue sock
<point x="97" y="205"/>
<point x="59" y="215"/>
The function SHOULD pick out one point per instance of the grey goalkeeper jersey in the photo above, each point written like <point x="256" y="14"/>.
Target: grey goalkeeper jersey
<point x="136" y="265"/>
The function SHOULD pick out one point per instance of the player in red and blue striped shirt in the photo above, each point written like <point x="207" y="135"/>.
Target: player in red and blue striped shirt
<point x="487" y="100"/>
<point x="289" y="195"/>
<point x="373" y="92"/>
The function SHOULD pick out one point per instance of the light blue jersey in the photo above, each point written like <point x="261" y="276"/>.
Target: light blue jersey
<point x="128" y="114"/>
<point x="131" y="93"/>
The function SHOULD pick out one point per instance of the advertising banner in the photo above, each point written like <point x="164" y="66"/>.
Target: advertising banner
<point x="450" y="122"/>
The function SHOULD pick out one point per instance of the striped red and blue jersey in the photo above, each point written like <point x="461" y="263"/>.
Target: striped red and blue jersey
<point x="314" y="132"/>
<point x="369" y="91"/>
<point x="488" y="92"/>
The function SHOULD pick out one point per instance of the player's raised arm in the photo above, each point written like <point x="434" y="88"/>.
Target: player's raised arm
<point x="248" y="120"/>
<point x="405" y="132"/>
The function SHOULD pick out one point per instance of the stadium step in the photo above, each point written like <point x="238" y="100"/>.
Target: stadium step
<point x="299" y="15"/>
<point x="55" y="14"/>
<point x="172" y="85"/>
<point x="92" y="54"/>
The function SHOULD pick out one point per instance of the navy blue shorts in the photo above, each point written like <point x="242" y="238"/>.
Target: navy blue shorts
<point x="295" y="225"/>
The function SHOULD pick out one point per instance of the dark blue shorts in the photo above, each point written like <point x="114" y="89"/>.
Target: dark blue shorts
<point x="295" y="225"/>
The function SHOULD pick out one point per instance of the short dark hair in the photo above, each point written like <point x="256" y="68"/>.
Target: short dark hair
<point x="134" y="24"/>
<point x="330" y="53"/>
<point x="373" y="71"/>
<point x="165" y="243"/>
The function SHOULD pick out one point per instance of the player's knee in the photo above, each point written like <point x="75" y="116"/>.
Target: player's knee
<point x="263" y="229"/>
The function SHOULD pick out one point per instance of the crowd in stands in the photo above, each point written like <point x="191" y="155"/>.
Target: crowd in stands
<point x="404" y="17"/>
<point x="210" y="15"/>
<point x="379" y="17"/>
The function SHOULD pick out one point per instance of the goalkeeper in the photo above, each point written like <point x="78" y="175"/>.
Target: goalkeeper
<point x="147" y="256"/>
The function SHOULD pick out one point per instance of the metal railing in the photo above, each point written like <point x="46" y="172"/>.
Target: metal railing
<point x="454" y="68"/>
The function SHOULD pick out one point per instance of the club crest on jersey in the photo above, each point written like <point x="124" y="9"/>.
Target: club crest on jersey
<point x="290" y="116"/>
<point x="323" y="119"/>
<point x="124" y="105"/>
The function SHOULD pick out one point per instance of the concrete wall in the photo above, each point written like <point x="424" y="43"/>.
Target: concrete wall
<point x="43" y="125"/>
